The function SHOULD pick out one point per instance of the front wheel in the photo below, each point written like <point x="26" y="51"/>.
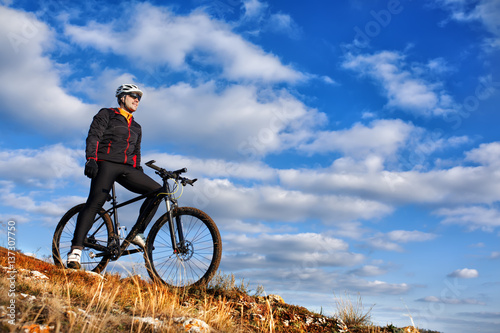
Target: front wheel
<point x="201" y="252"/>
<point x="99" y="236"/>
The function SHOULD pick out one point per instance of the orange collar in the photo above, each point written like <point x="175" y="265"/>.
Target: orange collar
<point x="126" y="114"/>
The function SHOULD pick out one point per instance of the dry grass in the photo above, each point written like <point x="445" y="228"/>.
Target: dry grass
<point x="352" y="313"/>
<point x="77" y="301"/>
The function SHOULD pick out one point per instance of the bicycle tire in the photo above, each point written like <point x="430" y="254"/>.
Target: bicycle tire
<point x="61" y="242"/>
<point x="194" y="268"/>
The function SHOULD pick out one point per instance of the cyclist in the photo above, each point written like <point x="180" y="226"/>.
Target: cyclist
<point x="113" y="152"/>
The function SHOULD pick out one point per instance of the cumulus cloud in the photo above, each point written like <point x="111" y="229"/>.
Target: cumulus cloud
<point x="370" y="180"/>
<point x="275" y="204"/>
<point x="283" y="250"/>
<point x="406" y="89"/>
<point x="214" y="168"/>
<point x="380" y="243"/>
<point x="34" y="94"/>
<point x="160" y="36"/>
<point x="486" y="154"/>
<point x="45" y="167"/>
<point x="303" y="261"/>
<point x="381" y="137"/>
<point x="36" y="203"/>
<point x="235" y="122"/>
<point x="464" y="273"/>
<point x="301" y="277"/>
<point x="391" y="241"/>
<point x="471" y="217"/>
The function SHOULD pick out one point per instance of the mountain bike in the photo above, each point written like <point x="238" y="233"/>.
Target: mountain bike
<point x="183" y="247"/>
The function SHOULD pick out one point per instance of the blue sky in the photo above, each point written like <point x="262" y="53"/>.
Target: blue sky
<point x="341" y="146"/>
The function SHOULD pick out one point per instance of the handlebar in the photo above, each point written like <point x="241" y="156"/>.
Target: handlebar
<point x="171" y="174"/>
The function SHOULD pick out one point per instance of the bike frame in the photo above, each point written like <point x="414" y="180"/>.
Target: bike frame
<point x="143" y="220"/>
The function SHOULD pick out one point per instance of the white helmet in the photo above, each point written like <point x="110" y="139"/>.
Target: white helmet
<point x="127" y="89"/>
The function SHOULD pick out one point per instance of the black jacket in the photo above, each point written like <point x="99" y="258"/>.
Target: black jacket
<point x="112" y="138"/>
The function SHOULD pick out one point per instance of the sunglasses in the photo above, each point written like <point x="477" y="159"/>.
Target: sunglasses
<point x="134" y="95"/>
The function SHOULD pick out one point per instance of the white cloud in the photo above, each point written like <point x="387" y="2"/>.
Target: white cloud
<point x="369" y="270"/>
<point x="464" y="273"/>
<point x="368" y="179"/>
<point x="274" y="204"/>
<point x="239" y="226"/>
<point x="486" y="154"/>
<point x="301" y="277"/>
<point x="214" y="168"/>
<point x="282" y="250"/>
<point x="405" y="88"/>
<point x="472" y="217"/>
<point x="405" y="236"/>
<point x="33" y="203"/>
<point x="4" y="218"/>
<point x="284" y="23"/>
<point x="254" y="9"/>
<point x="44" y="167"/>
<point x="391" y="240"/>
<point x="486" y="12"/>
<point x="31" y="83"/>
<point x="434" y="299"/>
<point x="380" y="243"/>
<point x="239" y="121"/>
<point x="159" y="36"/>
<point x="258" y="18"/>
<point x="381" y="138"/>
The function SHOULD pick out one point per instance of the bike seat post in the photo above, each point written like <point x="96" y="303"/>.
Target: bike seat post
<point x="113" y="195"/>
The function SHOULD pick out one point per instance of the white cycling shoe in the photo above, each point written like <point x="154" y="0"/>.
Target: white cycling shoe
<point x="73" y="261"/>
<point x="139" y="240"/>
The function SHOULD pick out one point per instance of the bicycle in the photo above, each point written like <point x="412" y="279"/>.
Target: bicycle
<point x="183" y="247"/>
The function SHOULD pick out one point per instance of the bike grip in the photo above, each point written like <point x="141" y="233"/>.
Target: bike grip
<point x="183" y="170"/>
<point x="150" y="162"/>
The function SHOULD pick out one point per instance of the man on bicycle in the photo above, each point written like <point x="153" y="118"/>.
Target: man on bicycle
<point x="113" y="153"/>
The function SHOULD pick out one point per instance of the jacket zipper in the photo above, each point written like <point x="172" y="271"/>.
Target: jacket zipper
<point x="128" y="141"/>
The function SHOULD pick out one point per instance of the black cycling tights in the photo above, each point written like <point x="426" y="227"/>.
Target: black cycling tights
<point x="126" y="175"/>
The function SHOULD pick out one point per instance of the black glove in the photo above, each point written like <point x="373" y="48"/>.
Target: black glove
<point x="91" y="168"/>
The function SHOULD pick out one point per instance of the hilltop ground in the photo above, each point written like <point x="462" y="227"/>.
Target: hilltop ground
<point x="36" y="296"/>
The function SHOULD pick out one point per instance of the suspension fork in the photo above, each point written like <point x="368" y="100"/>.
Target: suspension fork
<point x="176" y="246"/>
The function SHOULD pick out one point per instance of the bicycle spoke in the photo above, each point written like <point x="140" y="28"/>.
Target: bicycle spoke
<point x="197" y="258"/>
<point x="99" y="234"/>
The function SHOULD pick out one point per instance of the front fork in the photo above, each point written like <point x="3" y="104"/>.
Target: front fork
<point x="177" y="246"/>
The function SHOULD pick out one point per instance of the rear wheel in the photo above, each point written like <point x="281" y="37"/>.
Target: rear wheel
<point x="99" y="236"/>
<point x="197" y="262"/>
